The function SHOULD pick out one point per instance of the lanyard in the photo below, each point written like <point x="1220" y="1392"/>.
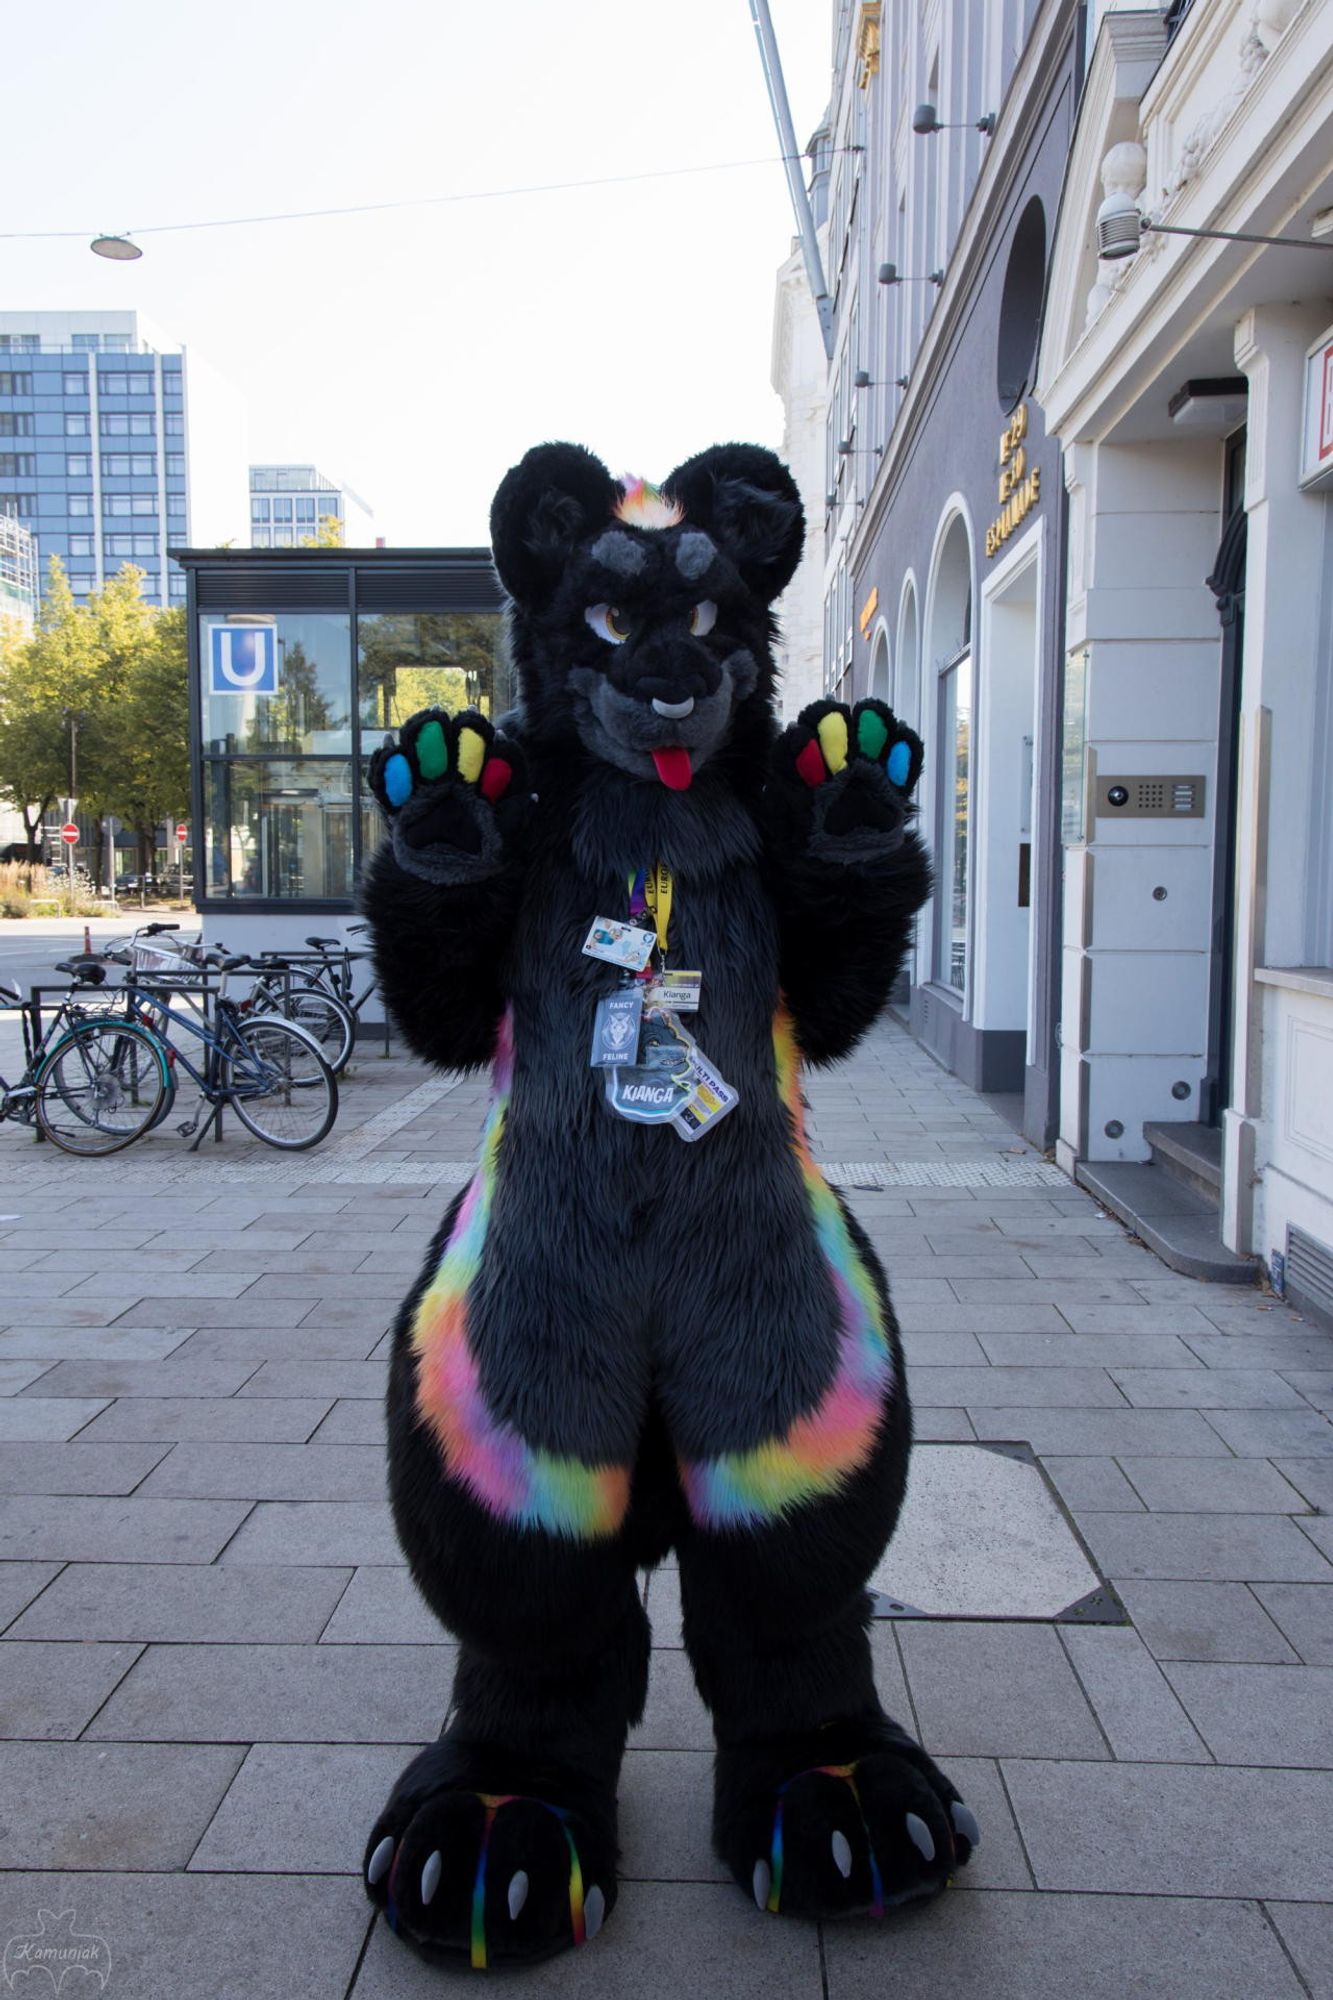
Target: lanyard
<point x="651" y="889"/>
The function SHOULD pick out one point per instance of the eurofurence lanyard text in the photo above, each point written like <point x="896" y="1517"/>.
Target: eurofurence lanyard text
<point x="651" y="889"/>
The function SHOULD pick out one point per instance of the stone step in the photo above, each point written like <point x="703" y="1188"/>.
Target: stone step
<point x="1191" y="1153"/>
<point x="1174" y="1220"/>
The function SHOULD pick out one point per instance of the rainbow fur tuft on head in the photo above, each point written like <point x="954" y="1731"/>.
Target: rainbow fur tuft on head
<point x="645" y="506"/>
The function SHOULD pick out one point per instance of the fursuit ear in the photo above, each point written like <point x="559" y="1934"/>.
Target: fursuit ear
<point x="745" y="498"/>
<point x="555" y="496"/>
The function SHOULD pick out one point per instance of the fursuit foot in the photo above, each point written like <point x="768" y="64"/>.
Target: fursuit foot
<point x="474" y="1860"/>
<point x="848" y="1820"/>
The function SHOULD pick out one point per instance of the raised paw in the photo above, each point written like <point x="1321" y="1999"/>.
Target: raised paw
<point x="487" y="1876"/>
<point x="848" y="1838"/>
<point x="454" y="793"/>
<point x="848" y="776"/>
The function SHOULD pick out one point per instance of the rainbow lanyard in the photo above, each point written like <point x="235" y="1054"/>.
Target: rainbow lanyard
<point x="651" y="890"/>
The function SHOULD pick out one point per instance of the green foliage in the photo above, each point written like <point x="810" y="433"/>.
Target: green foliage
<point x="114" y="669"/>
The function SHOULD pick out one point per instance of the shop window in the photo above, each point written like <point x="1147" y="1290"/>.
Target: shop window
<point x="411" y="660"/>
<point x="306" y="701"/>
<point x="955" y="799"/>
<point x="278" y="829"/>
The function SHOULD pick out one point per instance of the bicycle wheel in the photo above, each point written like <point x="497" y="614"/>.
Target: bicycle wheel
<point x="332" y="1023"/>
<point x="101" y="1087"/>
<point x="278" y="1083"/>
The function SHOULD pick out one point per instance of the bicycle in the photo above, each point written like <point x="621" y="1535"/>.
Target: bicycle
<point x="267" y="1069"/>
<point x="282" y="987"/>
<point x="332" y="974"/>
<point x="92" y="1084"/>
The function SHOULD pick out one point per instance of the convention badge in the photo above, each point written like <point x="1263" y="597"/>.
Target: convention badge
<point x="620" y="943"/>
<point x="646" y="1096"/>
<point x="680" y="990"/>
<point x="664" y="1041"/>
<point x="615" y="1028"/>
<point x="711" y="1098"/>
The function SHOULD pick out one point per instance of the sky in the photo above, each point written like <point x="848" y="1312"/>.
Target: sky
<point x="416" y="354"/>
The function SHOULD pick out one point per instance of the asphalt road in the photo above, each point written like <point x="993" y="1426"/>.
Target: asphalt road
<point x="30" y="946"/>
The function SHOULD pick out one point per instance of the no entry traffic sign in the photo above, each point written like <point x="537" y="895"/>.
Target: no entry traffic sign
<point x="69" y="833"/>
<point x="182" y="833"/>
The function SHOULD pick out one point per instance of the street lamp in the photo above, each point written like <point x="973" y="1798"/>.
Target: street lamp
<point x="1121" y="223"/>
<point x="118" y="248"/>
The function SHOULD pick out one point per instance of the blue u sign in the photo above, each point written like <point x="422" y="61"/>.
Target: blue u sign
<point x="243" y="659"/>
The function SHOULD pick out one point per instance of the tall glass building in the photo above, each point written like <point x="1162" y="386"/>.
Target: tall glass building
<point x="116" y="444"/>
<point x="288" y="502"/>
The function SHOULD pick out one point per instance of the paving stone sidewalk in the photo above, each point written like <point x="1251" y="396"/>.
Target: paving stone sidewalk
<point x="212" y="1663"/>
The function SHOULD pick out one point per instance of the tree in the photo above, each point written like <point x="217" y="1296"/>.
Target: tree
<point x="328" y="535"/>
<point x="46" y="677"/>
<point x="147" y="735"/>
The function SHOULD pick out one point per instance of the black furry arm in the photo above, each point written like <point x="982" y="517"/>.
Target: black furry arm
<point x="846" y="871"/>
<point x="443" y="889"/>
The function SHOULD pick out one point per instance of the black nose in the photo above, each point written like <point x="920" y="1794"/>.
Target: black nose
<point x="682" y="672"/>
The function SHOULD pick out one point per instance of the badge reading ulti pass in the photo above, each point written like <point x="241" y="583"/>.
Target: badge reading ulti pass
<point x="619" y="943"/>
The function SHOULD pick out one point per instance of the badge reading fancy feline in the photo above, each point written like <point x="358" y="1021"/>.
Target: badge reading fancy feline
<point x="615" y="1029"/>
<point x="620" y="943"/>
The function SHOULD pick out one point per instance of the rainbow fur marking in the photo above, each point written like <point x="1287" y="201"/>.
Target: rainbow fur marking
<point x="532" y="1488"/>
<point x="822" y="1450"/>
<point x="847" y="1772"/>
<point x="478" y="1953"/>
<point x="645" y="506"/>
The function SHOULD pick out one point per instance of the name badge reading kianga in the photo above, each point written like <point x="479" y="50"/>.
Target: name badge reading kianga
<point x="620" y="944"/>
<point x="681" y="990"/>
<point x="615" y="1029"/>
<point x="646" y="1096"/>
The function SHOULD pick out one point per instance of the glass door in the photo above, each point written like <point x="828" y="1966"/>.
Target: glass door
<point x="955" y="800"/>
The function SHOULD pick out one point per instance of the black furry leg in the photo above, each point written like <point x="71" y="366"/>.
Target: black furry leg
<point x="498" y="1843"/>
<point x="823" y="1806"/>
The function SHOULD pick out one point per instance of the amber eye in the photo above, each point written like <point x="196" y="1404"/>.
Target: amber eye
<point x="703" y="618"/>
<point x="608" y="623"/>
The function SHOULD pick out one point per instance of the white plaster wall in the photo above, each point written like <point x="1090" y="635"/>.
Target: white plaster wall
<point x="799" y="377"/>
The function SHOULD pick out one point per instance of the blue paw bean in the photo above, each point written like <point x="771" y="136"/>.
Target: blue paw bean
<point x="398" y="780"/>
<point x="899" y="764"/>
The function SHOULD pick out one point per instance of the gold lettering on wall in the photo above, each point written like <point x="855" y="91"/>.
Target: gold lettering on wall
<point x="1020" y="489"/>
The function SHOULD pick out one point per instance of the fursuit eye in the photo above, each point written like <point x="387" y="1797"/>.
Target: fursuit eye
<point x="703" y="618"/>
<point x="608" y="623"/>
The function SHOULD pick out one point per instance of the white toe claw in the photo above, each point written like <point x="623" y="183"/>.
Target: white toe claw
<point x="842" y="1854"/>
<point x="430" y="1877"/>
<point x="920" y="1836"/>
<point x="518" y="1892"/>
<point x="763" y="1882"/>
<point x="378" y="1865"/>
<point x="594" y="1913"/>
<point x="965" y="1821"/>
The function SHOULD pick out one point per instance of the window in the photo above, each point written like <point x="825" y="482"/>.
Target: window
<point x="260" y="538"/>
<point x="955" y="794"/>
<point x="120" y="545"/>
<point x="173" y="423"/>
<point x="309" y="714"/>
<point x="176" y="583"/>
<point x="143" y="503"/>
<point x="113" y="385"/>
<point x="141" y="423"/>
<point x="15" y="423"/>
<point x="12" y="384"/>
<point x="409" y="660"/>
<point x="115" y="465"/>
<point x="18" y="465"/>
<point x="116" y="343"/>
<point x="76" y="424"/>
<point x="281" y="828"/>
<point x="282" y="510"/>
<point x="81" y="545"/>
<point x="142" y="465"/>
<point x="78" y="465"/>
<point x="23" y="505"/>
<point x="75" y="385"/>
<point x="259" y="510"/>
<point x="82" y="585"/>
<point x="86" y="343"/>
<point x="129" y="503"/>
<point x="175" y="465"/>
<point x="120" y="423"/>
<point x="282" y="538"/>
<point x="305" y="510"/>
<point x="145" y="545"/>
<point x="175" y="503"/>
<point x="20" y="343"/>
<point x="79" y="503"/>
<point x="329" y="503"/>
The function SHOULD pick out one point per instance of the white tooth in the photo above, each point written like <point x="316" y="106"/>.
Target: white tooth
<point x="842" y="1855"/>
<point x="518" y="1893"/>
<point x="430" y="1877"/>
<point x="763" y="1882"/>
<point x="673" y="710"/>
<point x="379" y="1861"/>
<point x="594" y="1913"/>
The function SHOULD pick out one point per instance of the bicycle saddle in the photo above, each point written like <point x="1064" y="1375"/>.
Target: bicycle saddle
<point x="87" y="971"/>
<point x="318" y="944"/>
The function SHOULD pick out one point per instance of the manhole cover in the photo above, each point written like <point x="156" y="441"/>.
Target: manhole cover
<point x="983" y="1535"/>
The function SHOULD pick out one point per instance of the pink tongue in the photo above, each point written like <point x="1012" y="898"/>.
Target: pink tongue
<point x="673" y="768"/>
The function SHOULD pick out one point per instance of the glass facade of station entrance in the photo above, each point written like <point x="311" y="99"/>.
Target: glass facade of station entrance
<point x="345" y="647"/>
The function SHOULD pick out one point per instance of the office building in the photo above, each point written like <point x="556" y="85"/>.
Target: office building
<point x="116" y="444"/>
<point x="18" y="571"/>
<point x="288" y="503"/>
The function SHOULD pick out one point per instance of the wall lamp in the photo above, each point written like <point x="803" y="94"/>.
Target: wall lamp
<point x="1120" y="228"/>
<point x="926" y="122"/>
<point x="861" y="380"/>
<point x="889" y="274"/>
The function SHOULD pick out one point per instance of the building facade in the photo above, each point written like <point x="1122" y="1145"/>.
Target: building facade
<point x="18" y="571"/>
<point x="301" y="662"/>
<point x="288" y="502"/>
<point x="1191" y="387"/>
<point x="943" y="522"/>
<point x="115" y="443"/>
